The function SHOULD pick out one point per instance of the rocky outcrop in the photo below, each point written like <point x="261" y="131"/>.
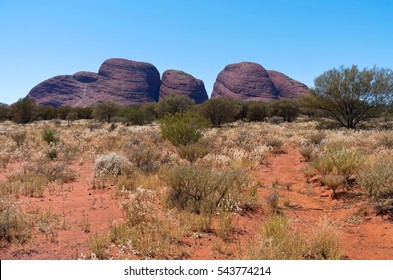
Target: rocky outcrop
<point x="122" y="81"/>
<point x="286" y="86"/>
<point x="250" y="81"/>
<point x="246" y="81"/>
<point x="179" y="82"/>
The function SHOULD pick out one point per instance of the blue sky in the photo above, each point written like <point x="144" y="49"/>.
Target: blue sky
<point x="301" y="38"/>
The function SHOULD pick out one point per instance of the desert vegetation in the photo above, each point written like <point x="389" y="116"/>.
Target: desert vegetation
<point x="224" y="179"/>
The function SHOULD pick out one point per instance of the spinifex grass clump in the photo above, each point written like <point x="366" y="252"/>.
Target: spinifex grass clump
<point x="203" y="190"/>
<point x="277" y="241"/>
<point x="376" y="177"/>
<point x="15" y="225"/>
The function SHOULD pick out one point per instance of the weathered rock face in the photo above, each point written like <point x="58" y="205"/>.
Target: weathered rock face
<point x="250" y="81"/>
<point x="119" y="80"/>
<point x="246" y="81"/>
<point x="178" y="82"/>
<point x="287" y="87"/>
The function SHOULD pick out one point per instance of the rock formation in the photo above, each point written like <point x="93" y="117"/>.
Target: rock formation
<point x="118" y="80"/>
<point x="246" y="81"/>
<point x="250" y="81"/>
<point x="178" y="82"/>
<point x="287" y="87"/>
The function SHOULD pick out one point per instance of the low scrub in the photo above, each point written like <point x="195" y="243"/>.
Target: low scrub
<point x="376" y="178"/>
<point x="203" y="190"/>
<point x="192" y="152"/>
<point x="15" y="225"/>
<point x="279" y="242"/>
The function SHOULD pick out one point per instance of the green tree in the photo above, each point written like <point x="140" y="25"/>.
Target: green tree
<point x="257" y="111"/>
<point x="174" y="103"/>
<point x="24" y="110"/>
<point x="4" y="112"/>
<point x="287" y="109"/>
<point x="349" y="96"/>
<point x="105" y="111"/>
<point x="219" y="111"/>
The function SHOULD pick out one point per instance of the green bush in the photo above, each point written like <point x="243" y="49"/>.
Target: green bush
<point x="174" y="103"/>
<point x="49" y="136"/>
<point x="219" y="110"/>
<point x="182" y="128"/>
<point x="257" y="112"/>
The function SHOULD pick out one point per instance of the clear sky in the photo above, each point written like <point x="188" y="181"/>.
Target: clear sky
<point x="301" y="38"/>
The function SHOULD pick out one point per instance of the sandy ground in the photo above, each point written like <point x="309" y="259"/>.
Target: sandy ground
<point x="82" y="211"/>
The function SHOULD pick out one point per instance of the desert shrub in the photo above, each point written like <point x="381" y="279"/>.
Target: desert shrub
<point x="108" y="165"/>
<point x="342" y="161"/>
<point x="275" y="143"/>
<point x="60" y="173"/>
<point x="316" y="138"/>
<point x="272" y="201"/>
<point x="49" y="136"/>
<point x="19" y="138"/>
<point x="182" y="128"/>
<point x="192" y="152"/>
<point x="98" y="245"/>
<point x="139" y="207"/>
<point x="386" y="141"/>
<point x="333" y="181"/>
<point x="279" y="242"/>
<point x="203" y="190"/>
<point x="324" y="243"/>
<point x="307" y="151"/>
<point x="145" y="158"/>
<point x="32" y="185"/>
<point x="376" y="178"/>
<point x="136" y="115"/>
<point x="15" y="225"/>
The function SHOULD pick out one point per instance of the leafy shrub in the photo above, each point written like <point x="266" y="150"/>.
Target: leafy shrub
<point x="192" y="152"/>
<point x="202" y="190"/>
<point x="287" y="109"/>
<point x="182" y="128"/>
<point x="49" y="136"/>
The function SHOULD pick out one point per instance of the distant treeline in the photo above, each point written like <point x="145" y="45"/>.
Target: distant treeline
<point x="217" y="111"/>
